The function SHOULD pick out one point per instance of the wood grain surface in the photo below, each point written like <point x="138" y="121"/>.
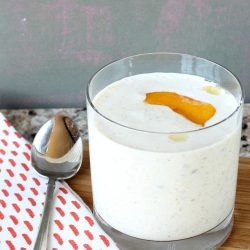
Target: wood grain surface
<point x="240" y="236"/>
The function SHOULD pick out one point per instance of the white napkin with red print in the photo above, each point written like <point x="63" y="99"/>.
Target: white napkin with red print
<point x="22" y="194"/>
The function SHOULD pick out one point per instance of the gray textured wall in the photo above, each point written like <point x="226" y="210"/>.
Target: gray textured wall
<point x="50" y="49"/>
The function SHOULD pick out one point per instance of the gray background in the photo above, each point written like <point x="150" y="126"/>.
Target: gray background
<point x="50" y="49"/>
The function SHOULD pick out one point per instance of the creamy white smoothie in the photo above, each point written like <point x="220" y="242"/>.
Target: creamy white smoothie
<point x="156" y="175"/>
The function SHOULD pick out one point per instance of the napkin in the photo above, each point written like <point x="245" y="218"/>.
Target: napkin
<point x="22" y="195"/>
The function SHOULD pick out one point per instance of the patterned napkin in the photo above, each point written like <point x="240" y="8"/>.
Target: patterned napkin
<point x="22" y="194"/>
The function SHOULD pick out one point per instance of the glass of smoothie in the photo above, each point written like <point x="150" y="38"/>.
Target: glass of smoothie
<point x="164" y="138"/>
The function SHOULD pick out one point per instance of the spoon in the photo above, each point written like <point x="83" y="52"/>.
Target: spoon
<point x="56" y="153"/>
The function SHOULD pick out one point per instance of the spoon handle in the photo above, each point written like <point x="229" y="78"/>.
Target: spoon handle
<point x="42" y="237"/>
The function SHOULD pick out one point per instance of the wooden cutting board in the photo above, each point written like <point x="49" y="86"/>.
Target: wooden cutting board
<point x="240" y="236"/>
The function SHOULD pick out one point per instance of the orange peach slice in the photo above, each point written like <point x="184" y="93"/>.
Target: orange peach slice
<point x="196" y="111"/>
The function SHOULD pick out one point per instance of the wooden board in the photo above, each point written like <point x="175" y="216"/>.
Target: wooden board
<point x="240" y="236"/>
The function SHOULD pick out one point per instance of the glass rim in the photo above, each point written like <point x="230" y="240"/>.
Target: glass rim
<point x="158" y="132"/>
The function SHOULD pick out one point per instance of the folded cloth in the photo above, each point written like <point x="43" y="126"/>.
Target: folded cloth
<point x="22" y="195"/>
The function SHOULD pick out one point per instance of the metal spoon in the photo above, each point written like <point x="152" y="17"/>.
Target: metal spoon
<point x="56" y="153"/>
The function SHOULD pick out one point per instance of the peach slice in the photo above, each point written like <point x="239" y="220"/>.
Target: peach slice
<point x="196" y="111"/>
<point x="178" y="137"/>
<point x="213" y="90"/>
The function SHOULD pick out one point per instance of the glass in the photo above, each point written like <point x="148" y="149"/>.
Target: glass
<point x="146" y="198"/>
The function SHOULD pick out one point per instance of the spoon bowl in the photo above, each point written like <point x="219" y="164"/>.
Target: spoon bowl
<point x="63" y="167"/>
<point x="56" y="153"/>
